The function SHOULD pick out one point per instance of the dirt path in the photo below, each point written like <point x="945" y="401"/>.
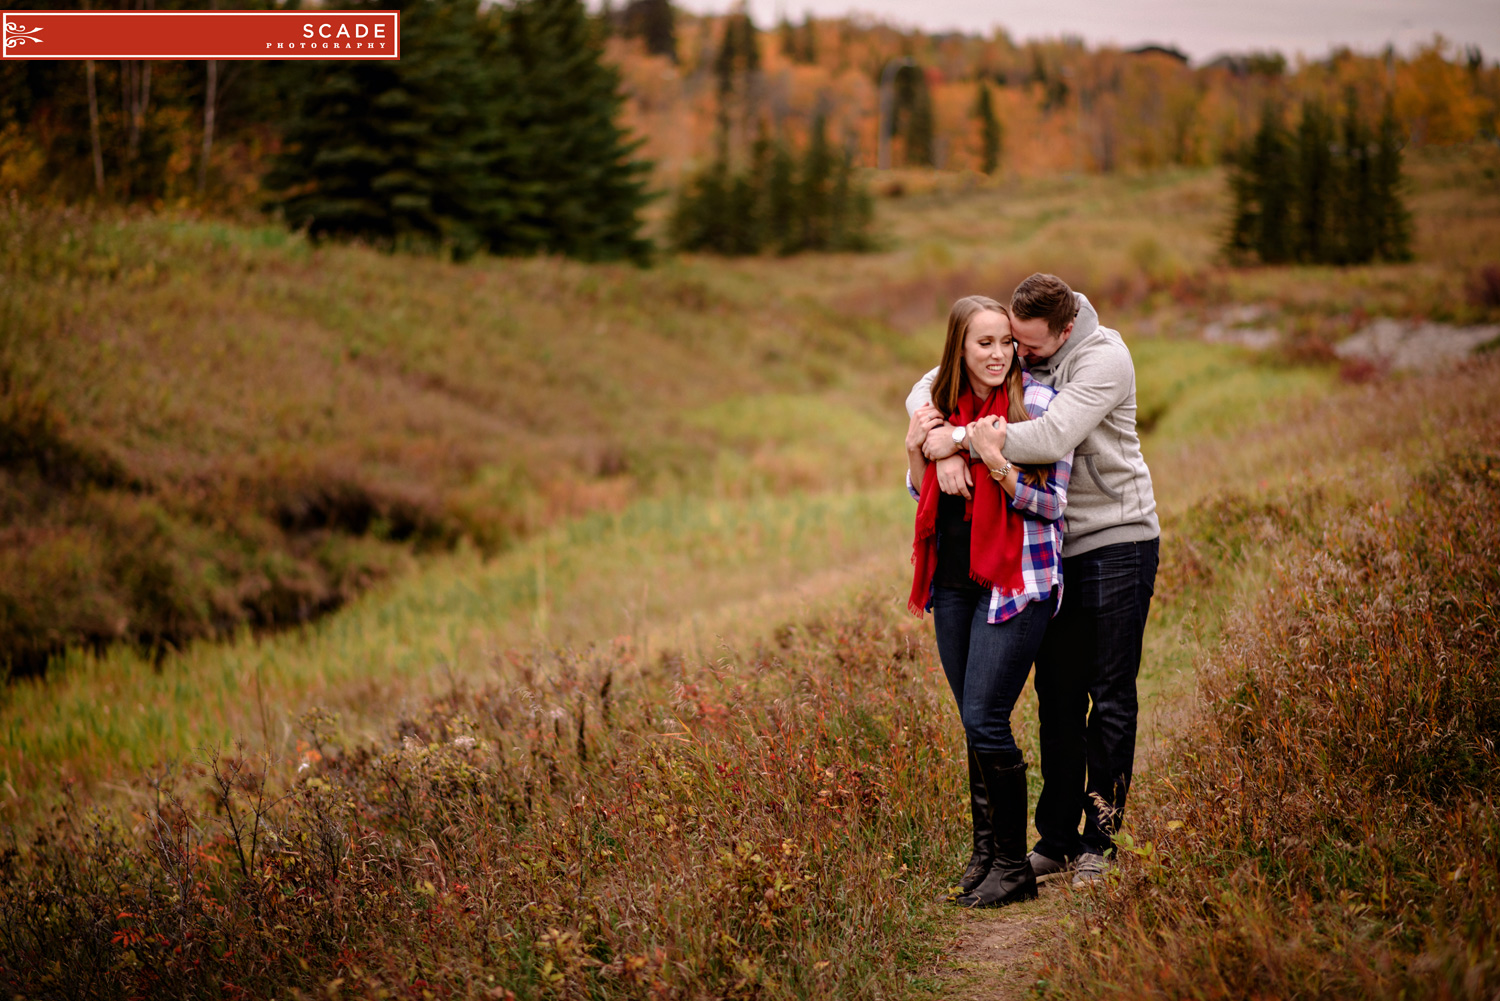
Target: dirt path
<point x="997" y="954"/>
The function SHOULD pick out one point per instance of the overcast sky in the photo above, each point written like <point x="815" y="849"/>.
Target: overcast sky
<point x="1201" y="28"/>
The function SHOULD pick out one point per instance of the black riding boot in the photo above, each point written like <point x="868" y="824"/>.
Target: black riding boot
<point x="1010" y="878"/>
<point x="984" y="834"/>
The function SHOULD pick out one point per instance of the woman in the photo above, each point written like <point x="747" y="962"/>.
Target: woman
<point x="987" y="561"/>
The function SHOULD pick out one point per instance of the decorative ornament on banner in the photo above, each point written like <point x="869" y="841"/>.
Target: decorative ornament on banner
<point x="200" y="34"/>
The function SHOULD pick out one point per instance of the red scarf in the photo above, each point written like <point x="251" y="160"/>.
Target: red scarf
<point x="997" y="531"/>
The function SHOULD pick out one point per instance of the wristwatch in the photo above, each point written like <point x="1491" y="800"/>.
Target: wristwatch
<point x="959" y="434"/>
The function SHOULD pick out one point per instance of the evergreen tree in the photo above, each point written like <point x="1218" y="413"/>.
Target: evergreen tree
<point x="991" y="135"/>
<point x="736" y="64"/>
<point x="781" y="199"/>
<point x="1317" y="186"/>
<point x="787" y="36"/>
<point x="1330" y="195"/>
<point x="1263" y="183"/>
<point x="777" y="203"/>
<point x="1358" y="207"/>
<point x="1392" y="219"/>
<point x="575" y="156"/>
<point x="381" y="149"/>
<point x="912" y="118"/>
<point x="697" y="219"/>
<point x="815" y="191"/>
<point x="853" y="208"/>
<point x="655" y="23"/>
<point x="739" y="54"/>
<point x="495" y="129"/>
<point x="808" y="51"/>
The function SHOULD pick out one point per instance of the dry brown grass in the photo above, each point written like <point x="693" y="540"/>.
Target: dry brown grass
<point x="761" y="826"/>
<point x="1326" y="827"/>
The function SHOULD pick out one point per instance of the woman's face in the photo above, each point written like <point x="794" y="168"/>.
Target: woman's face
<point x="988" y="351"/>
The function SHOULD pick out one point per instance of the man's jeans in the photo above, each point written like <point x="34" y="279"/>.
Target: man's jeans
<point x="1092" y="651"/>
<point x="987" y="664"/>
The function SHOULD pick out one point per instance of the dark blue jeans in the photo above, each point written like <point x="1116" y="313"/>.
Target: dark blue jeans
<point x="1091" y="653"/>
<point x="987" y="664"/>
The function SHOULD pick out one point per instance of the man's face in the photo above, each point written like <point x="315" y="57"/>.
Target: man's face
<point x="1034" y="341"/>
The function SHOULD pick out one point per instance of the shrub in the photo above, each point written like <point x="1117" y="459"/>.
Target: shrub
<point x="1328" y="828"/>
<point x="603" y="828"/>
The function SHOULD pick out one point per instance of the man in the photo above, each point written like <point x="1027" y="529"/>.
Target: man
<point x="1092" y="650"/>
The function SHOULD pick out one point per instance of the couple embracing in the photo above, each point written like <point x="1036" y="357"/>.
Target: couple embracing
<point x="1032" y="413"/>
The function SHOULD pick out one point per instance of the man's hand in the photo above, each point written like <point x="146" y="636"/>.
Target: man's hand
<point x="923" y="420"/>
<point x="953" y="476"/>
<point x="987" y="440"/>
<point x="940" y="443"/>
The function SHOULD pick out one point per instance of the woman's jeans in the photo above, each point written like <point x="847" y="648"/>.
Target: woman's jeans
<point x="987" y="664"/>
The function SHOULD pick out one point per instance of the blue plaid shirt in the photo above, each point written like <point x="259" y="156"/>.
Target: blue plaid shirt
<point x="1042" y="510"/>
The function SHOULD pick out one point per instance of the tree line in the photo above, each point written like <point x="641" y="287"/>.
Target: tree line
<point x="497" y="130"/>
<point x="1327" y="192"/>
<point x="767" y="197"/>
<point x="777" y="201"/>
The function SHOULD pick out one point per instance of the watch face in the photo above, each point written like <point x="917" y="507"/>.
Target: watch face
<point x="959" y="433"/>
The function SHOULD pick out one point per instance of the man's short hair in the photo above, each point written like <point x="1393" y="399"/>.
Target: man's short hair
<point x="1046" y="296"/>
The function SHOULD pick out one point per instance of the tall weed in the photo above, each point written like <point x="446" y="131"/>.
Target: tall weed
<point x="766" y="825"/>
<point x="1328" y="828"/>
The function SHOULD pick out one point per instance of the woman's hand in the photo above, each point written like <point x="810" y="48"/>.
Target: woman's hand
<point x="923" y="420"/>
<point x="986" y="439"/>
<point x="953" y="476"/>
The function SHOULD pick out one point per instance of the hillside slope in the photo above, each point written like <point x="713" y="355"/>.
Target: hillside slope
<point x="207" y="426"/>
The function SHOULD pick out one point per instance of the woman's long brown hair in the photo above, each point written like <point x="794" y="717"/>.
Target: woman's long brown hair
<point x="953" y="378"/>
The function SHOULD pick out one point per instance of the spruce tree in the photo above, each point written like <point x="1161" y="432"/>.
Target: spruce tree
<point x="1317" y="186"/>
<point x="853" y="208"/>
<point x="697" y="218"/>
<point x="383" y="150"/>
<point x="990" y="133"/>
<point x="808" y="50"/>
<point x="1392" y="219"/>
<point x="913" y="115"/>
<point x="777" y="203"/>
<point x="787" y="36"/>
<point x="494" y="130"/>
<point x="655" y="23"/>
<point x="1357" y="210"/>
<point x="575" y="154"/>
<point x="1332" y="195"/>
<point x="1262" y="181"/>
<point x="781" y="206"/>
<point x="815" y="191"/>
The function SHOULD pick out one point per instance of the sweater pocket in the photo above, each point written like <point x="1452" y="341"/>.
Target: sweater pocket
<point x="1093" y="471"/>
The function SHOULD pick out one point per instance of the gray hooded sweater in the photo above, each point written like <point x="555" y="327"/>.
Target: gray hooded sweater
<point x="1093" y="415"/>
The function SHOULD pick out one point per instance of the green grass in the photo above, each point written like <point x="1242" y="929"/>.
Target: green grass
<point x="100" y="715"/>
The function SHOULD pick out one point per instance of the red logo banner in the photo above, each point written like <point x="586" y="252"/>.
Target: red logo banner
<point x="200" y="34"/>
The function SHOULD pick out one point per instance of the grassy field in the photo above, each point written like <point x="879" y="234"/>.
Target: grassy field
<point x="207" y="426"/>
<point x="640" y="535"/>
